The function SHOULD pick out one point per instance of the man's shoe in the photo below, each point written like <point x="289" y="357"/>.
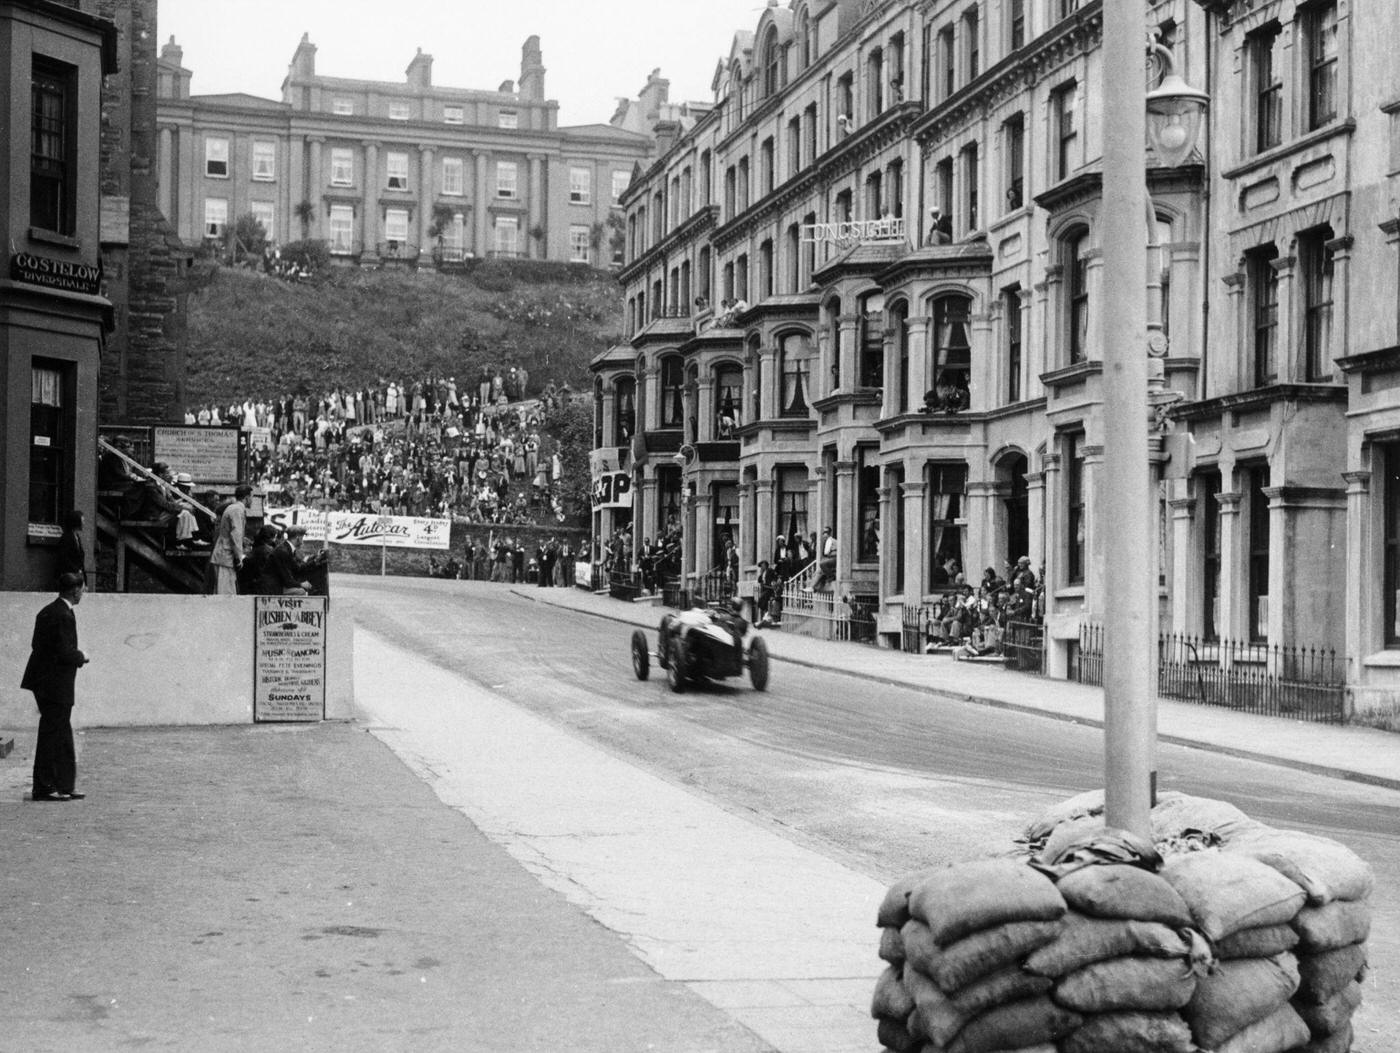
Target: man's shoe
<point x="74" y="795"/>
<point x="50" y="797"/>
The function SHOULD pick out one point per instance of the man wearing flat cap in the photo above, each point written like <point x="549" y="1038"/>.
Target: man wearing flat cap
<point x="54" y="661"/>
<point x="294" y="571"/>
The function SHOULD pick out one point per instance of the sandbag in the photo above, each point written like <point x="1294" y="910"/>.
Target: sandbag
<point x="1010" y="984"/>
<point x="1323" y="868"/>
<point x="1332" y="1015"/>
<point x="893" y="1035"/>
<point x="934" y="1017"/>
<point x="1175" y="814"/>
<point x="1327" y="973"/>
<point x="1336" y="924"/>
<point x="892" y="945"/>
<point x="1123" y="891"/>
<point x="1082" y="805"/>
<point x="1280" y="1031"/>
<point x="961" y="900"/>
<point x="1262" y="941"/>
<point x="1238" y="994"/>
<point x="1130" y="1033"/>
<point x="1013" y="1026"/>
<point x="1134" y="983"/>
<point x="1227" y="893"/>
<point x="1071" y="832"/>
<point x="1337" y="1042"/>
<point x="971" y="957"/>
<point x="894" y="908"/>
<point x="891" y="1000"/>
<point x="1083" y="941"/>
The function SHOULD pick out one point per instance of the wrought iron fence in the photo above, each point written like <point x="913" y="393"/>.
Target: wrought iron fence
<point x="674" y="595"/>
<point x="715" y="584"/>
<point x="625" y="584"/>
<point x="1023" y="644"/>
<point x="1304" y="683"/>
<point x="914" y="631"/>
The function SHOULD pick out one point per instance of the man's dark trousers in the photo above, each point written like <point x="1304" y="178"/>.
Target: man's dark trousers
<point x="55" y="762"/>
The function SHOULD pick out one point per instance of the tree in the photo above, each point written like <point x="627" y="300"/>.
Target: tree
<point x="617" y="223"/>
<point x="572" y="427"/>
<point x="306" y="212"/>
<point x="247" y="238"/>
<point x="443" y="219"/>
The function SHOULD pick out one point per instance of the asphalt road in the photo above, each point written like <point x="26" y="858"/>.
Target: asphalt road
<point x="885" y="779"/>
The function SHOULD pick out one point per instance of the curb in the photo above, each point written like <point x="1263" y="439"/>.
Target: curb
<point x="1323" y="770"/>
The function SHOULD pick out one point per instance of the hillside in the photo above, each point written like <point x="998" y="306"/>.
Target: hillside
<point x="255" y="335"/>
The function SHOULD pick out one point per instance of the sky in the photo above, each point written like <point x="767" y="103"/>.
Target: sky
<point x="594" y="50"/>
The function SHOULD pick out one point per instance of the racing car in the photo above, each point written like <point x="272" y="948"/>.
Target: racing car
<point x="703" y="643"/>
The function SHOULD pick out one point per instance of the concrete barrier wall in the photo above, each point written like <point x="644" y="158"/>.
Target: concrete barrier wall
<point x="161" y="659"/>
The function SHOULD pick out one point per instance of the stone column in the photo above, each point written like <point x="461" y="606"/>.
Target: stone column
<point x="705" y="411"/>
<point x="981" y="530"/>
<point x="1035" y="519"/>
<point x="772" y="383"/>
<point x="313" y="184"/>
<point x="1341" y="293"/>
<point x="1093" y="536"/>
<point x="1186" y="587"/>
<point x="915" y="523"/>
<point x="706" y="533"/>
<point x="649" y="389"/>
<point x="645" y="514"/>
<point x="843" y="515"/>
<point x="537" y="211"/>
<point x="165" y="173"/>
<point x="1364" y="592"/>
<point x="763" y="527"/>
<point x="755" y="499"/>
<point x="846" y="353"/>
<point x="427" y="194"/>
<point x="1231" y="619"/>
<point x="481" y="221"/>
<point x="889" y="531"/>
<point x="369" y="203"/>
<point x="1286" y="343"/>
<point x="918" y="329"/>
<point x="696" y="515"/>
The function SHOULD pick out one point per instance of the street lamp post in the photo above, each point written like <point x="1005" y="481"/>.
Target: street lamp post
<point x="1127" y="515"/>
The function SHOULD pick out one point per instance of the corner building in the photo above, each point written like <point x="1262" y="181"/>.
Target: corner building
<point x="904" y="200"/>
<point x="406" y="173"/>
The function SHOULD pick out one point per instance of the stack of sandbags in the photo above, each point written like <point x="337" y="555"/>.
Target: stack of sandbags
<point x="1125" y="959"/>
<point x="1330" y="931"/>
<point x="1246" y="909"/>
<point x="964" y="932"/>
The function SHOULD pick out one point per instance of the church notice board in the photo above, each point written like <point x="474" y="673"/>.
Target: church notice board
<point x="289" y="658"/>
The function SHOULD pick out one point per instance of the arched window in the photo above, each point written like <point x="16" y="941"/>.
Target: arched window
<point x="872" y="341"/>
<point x="597" y="411"/>
<point x="833" y="324"/>
<point x="672" y="392"/>
<point x="952" y="351"/>
<point x="729" y="401"/>
<point x="794" y="369"/>
<point x="772" y="64"/>
<point x="754" y="363"/>
<point x="625" y="414"/>
<point x="1077" y="294"/>
<point x="899" y="322"/>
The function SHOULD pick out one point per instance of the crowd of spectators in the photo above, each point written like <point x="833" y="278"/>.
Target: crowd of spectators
<point x="433" y="448"/>
<point x="974" y="621"/>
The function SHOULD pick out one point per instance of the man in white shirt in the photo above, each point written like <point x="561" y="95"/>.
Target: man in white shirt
<point x="826" y="562"/>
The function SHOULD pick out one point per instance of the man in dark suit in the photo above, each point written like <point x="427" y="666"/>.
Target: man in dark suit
<point x="53" y="665"/>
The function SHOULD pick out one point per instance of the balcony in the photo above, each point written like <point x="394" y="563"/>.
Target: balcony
<point x="394" y="251"/>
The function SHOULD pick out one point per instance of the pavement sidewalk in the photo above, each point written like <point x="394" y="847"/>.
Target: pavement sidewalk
<point x="1348" y="752"/>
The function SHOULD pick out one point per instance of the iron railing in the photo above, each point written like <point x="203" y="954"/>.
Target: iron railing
<point x="715" y="584"/>
<point x="1303" y="683"/>
<point x="1023" y="644"/>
